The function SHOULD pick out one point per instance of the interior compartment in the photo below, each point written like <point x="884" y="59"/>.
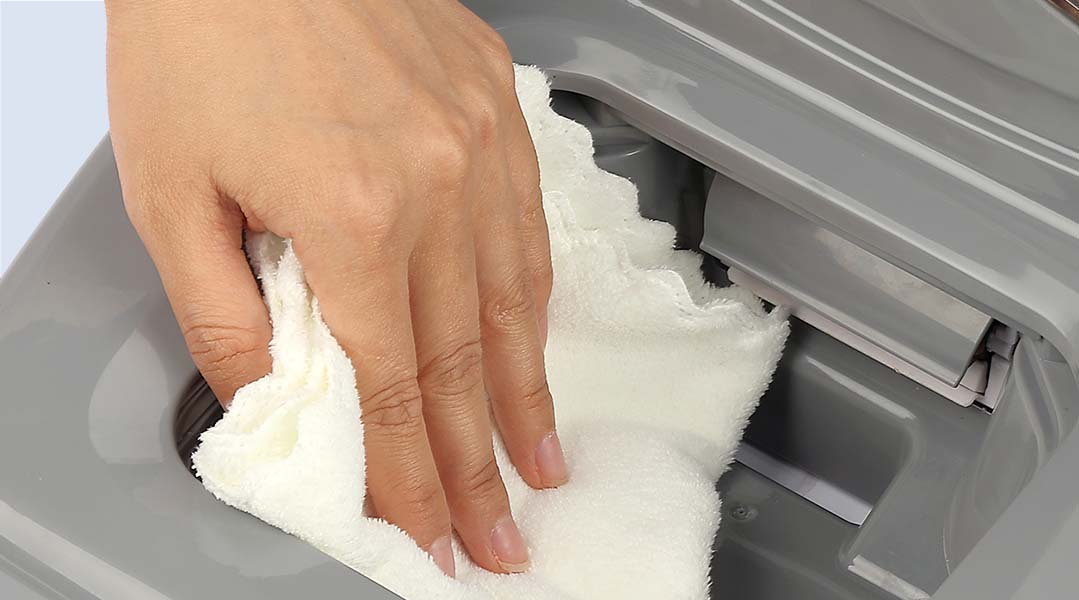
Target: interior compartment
<point x="756" y="555"/>
<point x="869" y="472"/>
<point x="841" y="419"/>
<point x="854" y="480"/>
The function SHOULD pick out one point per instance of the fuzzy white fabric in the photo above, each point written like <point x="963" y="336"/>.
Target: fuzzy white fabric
<point x="654" y="375"/>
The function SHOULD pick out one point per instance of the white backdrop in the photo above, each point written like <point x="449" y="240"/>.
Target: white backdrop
<point x="52" y="106"/>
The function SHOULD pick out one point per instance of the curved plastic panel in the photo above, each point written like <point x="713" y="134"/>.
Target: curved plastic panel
<point x="95" y="501"/>
<point x="870" y="297"/>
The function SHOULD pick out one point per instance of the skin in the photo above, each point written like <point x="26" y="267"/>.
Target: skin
<point x="386" y="140"/>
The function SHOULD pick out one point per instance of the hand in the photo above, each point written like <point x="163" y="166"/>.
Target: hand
<point x="386" y="140"/>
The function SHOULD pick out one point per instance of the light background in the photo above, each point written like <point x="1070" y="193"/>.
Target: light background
<point x="52" y="106"/>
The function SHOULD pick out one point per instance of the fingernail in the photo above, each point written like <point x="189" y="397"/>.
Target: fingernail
<point x="509" y="546"/>
<point x="551" y="462"/>
<point x="442" y="552"/>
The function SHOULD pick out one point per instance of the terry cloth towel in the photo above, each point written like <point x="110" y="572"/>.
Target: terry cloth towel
<point x="654" y="375"/>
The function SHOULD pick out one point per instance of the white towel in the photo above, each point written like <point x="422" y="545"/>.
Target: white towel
<point x="654" y="375"/>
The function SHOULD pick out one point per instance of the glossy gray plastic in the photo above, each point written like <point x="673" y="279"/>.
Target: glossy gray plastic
<point x="755" y="534"/>
<point x="848" y="420"/>
<point x="820" y="270"/>
<point x="908" y="181"/>
<point x="95" y="501"/>
<point x="924" y="465"/>
<point x="950" y="153"/>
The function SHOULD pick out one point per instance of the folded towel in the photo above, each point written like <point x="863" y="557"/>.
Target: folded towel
<point x="654" y="375"/>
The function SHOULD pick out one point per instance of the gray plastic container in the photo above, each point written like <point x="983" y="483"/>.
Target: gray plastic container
<point x="936" y="142"/>
<point x="871" y="485"/>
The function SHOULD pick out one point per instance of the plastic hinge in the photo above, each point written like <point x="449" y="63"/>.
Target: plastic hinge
<point x="981" y="383"/>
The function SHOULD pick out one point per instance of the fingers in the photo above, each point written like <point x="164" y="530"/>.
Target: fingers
<point x="520" y="154"/>
<point x="513" y="354"/>
<point x="199" y="255"/>
<point x="525" y="183"/>
<point x="365" y="302"/>
<point x="445" y="321"/>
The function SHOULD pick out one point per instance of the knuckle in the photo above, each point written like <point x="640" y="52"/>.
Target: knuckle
<point x="504" y="77"/>
<point x="396" y="407"/>
<point x="455" y="373"/>
<point x="499" y="59"/>
<point x="485" y="110"/>
<point x="543" y="279"/>
<point x="223" y="352"/>
<point x="495" y="48"/>
<point x="510" y="307"/>
<point x="482" y="483"/>
<point x="539" y="253"/>
<point x="370" y="206"/>
<point x="421" y="499"/>
<point x="533" y="217"/>
<point x="156" y="208"/>
<point x="535" y="401"/>
<point x="449" y="156"/>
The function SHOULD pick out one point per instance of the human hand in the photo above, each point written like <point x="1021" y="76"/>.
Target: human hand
<point x="386" y="140"/>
